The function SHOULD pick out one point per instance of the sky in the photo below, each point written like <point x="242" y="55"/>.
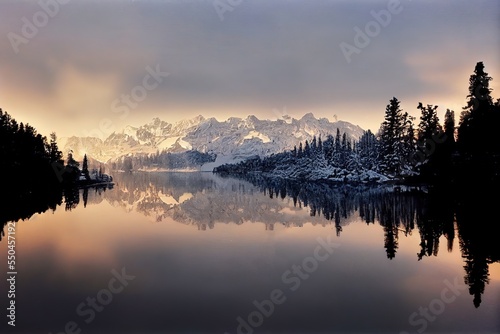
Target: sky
<point x="88" y="67"/>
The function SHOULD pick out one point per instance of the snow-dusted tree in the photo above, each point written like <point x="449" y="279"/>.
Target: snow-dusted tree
<point x="430" y="140"/>
<point x="307" y="149"/>
<point x="300" y="153"/>
<point x="344" y="142"/>
<point x="328" y="148"/>
<point x="367" y="150"/>
<point x="392" y="137"/>
<point x="410" y="138"/>
<point x="337" y="141"/>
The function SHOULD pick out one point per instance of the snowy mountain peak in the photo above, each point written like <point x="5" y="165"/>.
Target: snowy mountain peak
<point x="190" y="121"/>
<point x="308" y="117"/>
<point x="235" y="137"/>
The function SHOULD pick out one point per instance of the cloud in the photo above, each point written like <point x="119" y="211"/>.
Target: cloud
<point x="264" y="55"/>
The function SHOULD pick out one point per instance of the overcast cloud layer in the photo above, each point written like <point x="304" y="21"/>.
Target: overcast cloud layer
<point x="264" y="58"/>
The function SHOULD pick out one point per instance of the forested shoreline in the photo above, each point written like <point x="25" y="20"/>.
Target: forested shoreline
<point x="36" y="178"/>
<point x="430" y="152"/>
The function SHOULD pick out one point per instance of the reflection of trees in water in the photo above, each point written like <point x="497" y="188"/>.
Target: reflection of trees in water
<point x="433" y="214"/>
<point x="18" y="204"/>
<point x="21" y="205"/>
<point x="71" y="198"/>
<point x="92" y="195"/>
<point x="395" y="211"/>
<point x="203" y="199"/>
<point x="200" y="199"/>
<point x="478" y="242"/>
<point x="435" y="219"/>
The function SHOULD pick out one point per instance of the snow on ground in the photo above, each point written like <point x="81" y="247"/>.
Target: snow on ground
<point x="168" y="143"/>
<point x="255" y="134"/>
<point x="220" y="160"/>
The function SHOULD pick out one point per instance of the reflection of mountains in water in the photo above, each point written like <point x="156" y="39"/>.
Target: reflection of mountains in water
<point x="201" y="199"/>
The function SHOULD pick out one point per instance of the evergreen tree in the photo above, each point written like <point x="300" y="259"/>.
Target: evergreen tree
<point x="479" y="98"/>
<point x="477" y="139"/>
<point x="367" y="150"/>
<point x="410" y="140"/>
<point x="31" y="183"/>
<point x="473" y="116"/>
<point x="343" y="147"/>
<point x="337" y="141"/>
<point x="449" y="147"/>
<point x="429" y="123"/>
<point x="449" y="126"/>
<point x="344" y="152"/>
<point x="71" y="161"/>
<point x="55" y="154"/>
<point x="430" y="144"/>
<point x="85" y="167"/>
<point x="393" y="137"/>
<point x="328" y="148"/>
<point x="307" y="149"/>
<point x="71" y="170"/>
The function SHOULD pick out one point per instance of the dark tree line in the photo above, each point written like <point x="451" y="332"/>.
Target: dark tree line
<point x="35" y="178"/>
<point x="164" y="159"/>
<point x="427" y="152"/>
<point x="29" y="182"/>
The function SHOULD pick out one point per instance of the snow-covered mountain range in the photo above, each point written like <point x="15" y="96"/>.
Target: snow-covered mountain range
<point x="232" y="139"/>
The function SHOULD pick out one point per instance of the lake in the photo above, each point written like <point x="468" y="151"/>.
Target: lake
<point x="200" y="253"/>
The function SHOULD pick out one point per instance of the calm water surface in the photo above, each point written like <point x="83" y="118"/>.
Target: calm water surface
<point x="198" y="253"/>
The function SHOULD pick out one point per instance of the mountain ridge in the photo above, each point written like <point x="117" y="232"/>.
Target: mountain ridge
<point x="233" y="138"/>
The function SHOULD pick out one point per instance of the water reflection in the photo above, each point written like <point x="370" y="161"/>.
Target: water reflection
<point x="434" y="212"/>
<point x="19" y="205"/>
<point x="204" y="200"/>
